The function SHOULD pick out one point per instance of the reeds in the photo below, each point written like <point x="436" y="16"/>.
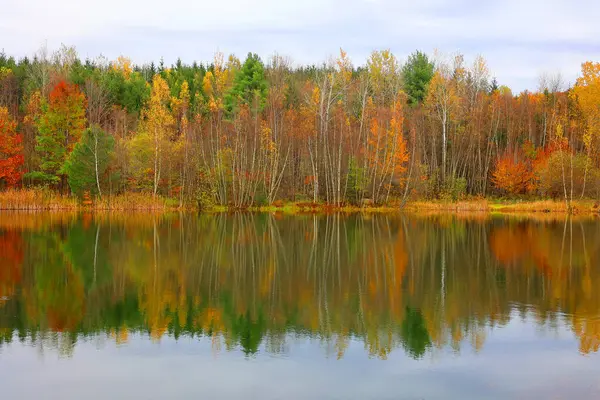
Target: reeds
<point x="46" y="200"/>
<point x="547" y="206"/>
<point x="457" y="206"/>
<point x="133" y="202"/>
<point x="35" y="200"/>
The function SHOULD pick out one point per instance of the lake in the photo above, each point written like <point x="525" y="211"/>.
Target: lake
<point x="268" y="306"/>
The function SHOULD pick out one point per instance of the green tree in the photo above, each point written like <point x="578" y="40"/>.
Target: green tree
<point x="249" y="86"/>
<point x="417" y="73"/>
<point x="89" y="161"/>
<point x="126" y="88"/>
<point x="357" y="181"/>
<point x="60" y="127"/>
<point x="414" y="334"/>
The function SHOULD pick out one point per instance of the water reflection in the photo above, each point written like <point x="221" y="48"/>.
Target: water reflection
<point x="255" y="282"/>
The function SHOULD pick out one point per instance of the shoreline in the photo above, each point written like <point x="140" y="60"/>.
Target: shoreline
<point x="143" y="204"/>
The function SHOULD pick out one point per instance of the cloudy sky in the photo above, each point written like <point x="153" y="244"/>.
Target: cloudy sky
<point x="519" y="38"/>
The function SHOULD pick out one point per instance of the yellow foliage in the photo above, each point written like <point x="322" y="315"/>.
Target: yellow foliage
<point x="123" y="65"/>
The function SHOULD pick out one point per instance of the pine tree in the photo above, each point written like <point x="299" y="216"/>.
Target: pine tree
<point x="249" y="87"/>
<point x="417" y="72"/>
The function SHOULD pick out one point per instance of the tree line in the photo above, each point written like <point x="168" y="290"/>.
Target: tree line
<point x="251" y="132"/>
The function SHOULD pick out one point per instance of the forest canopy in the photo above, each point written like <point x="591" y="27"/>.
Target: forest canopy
<point x="243" y="132"/>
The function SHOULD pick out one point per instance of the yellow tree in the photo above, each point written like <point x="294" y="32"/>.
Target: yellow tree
<point x="181" y="141"/>
<point x="587" y="94"/>
<point x="385" y="146"/>
<point x="156" y="125"/>
<point x="442" y="101"/>
<point x="123" y="65"/>
<point x="216" y="154"/>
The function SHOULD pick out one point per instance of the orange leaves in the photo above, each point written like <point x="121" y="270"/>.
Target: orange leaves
<point x="386" y="147"/>
<point x="385" y="150"/>
<point x="64" y="94"/>
<point x="34" y="108"/>
<point x="65" y="116"/>
<point x="509" y="244"/>
<point x="512" y="176"/>
<point x="11" y="149"/>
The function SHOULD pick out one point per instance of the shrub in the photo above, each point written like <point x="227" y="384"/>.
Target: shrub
<point x="512" y="176"/>
<point x="551" y="180"/>
<point x="454" y="189"/>
<point x="357" y="182"/>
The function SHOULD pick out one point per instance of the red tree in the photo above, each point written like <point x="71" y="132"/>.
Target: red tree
<point x="11" y="149"/>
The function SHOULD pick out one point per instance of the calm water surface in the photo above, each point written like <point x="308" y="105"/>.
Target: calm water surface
<point x="305" y="307"/>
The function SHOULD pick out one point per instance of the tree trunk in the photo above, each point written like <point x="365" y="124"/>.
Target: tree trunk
<point x="96" y="163"/>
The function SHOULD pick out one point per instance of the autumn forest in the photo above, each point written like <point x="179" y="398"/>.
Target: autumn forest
<point x="248" y="132"/>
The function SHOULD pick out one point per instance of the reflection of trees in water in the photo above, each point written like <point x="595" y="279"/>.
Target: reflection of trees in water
<point x="253" y="280"/>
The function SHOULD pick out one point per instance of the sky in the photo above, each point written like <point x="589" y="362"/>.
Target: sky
<point x="518" y="360"/>
<point x="520" y="39"/>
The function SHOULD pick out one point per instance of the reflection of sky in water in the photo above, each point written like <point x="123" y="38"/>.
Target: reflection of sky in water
<point x="519" y="360"/>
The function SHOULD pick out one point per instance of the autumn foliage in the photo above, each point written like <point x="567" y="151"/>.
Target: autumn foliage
<point x="11" y="149"/>
<point x="512" y="176"/>
<point x="11" y="254"/>
<point x="243" y="133"/>
<point x="66" y="112"/>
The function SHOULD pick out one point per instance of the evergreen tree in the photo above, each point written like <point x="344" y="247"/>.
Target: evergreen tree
<point x="249" y="86"/>
<point x="494" y="85"/>
<point x="418" y="72"/>
<point x="414" y="334"/>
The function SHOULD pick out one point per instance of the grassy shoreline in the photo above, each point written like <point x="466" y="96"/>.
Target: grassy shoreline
<point x="507" y="206"/>
<point x="41" y="200"/>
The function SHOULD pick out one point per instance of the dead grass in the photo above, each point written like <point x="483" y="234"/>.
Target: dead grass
<point x="46" y="200"/>
<point x="133" y="202"/>
<point x="477" y="205"/>
<point x="35" y="200"/>
<point x="546" y="206"/>
<point x="485" y="205"/>
<point x="322" y="208"/>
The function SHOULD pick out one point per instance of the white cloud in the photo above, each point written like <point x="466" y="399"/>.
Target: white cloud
<point x="519" y="38"/>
